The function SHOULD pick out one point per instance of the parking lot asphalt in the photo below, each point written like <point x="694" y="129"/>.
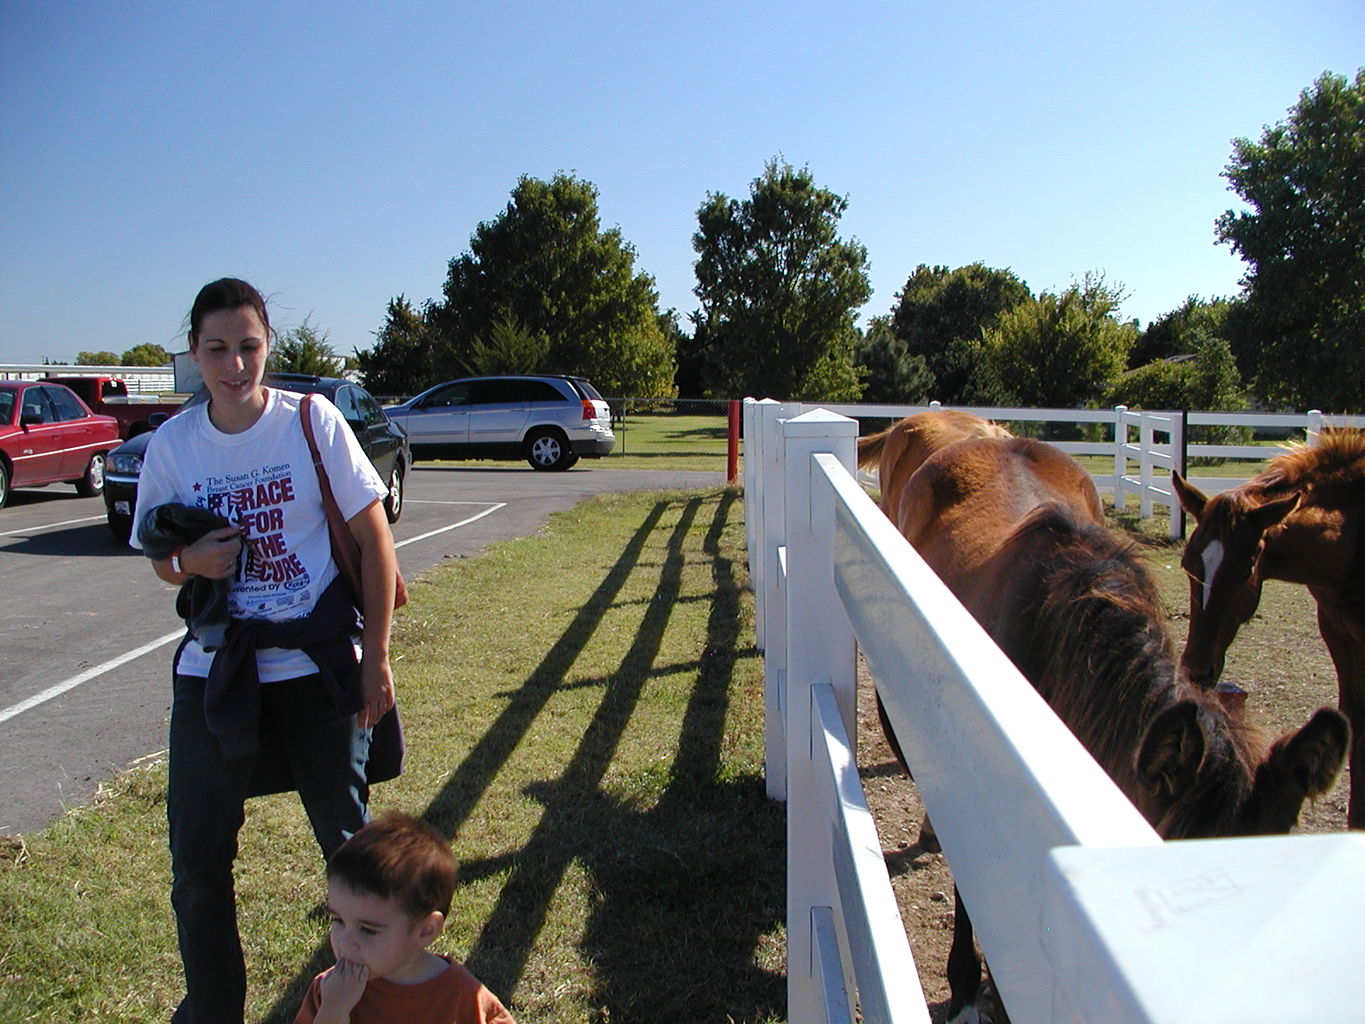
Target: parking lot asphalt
<point x="87" y="631"/>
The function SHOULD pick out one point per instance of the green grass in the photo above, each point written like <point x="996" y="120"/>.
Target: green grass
<point x="584" y="719"/>
<point x="664" y="441"/>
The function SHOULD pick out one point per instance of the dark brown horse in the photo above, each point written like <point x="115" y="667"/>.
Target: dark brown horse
<point x="1301" y="520"/>
<point x="1013" y="528"/>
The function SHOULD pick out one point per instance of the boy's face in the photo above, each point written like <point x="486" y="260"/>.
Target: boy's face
<point x="378" y="933"/>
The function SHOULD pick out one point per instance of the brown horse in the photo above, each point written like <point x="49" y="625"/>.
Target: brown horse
<point x="1013" y="527"/>
<point x="901" y="448"/>
<point x="897" y="452"/>
<point x="1301" y="520"/>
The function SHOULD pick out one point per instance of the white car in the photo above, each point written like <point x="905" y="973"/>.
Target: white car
<point x="549" y="420"/>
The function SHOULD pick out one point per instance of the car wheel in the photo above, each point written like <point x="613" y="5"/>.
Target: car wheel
<point x="393" y="504"/>
<point x="547" y="449"/>
<point x="4" y="483"/>
<point x="120" y="526"/>
<point x="92" y="484"/>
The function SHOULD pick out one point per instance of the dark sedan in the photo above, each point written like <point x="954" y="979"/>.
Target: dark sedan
<point x="383" y="441"/>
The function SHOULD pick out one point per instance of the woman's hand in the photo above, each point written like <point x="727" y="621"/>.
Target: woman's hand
<point x="376" y="682"/>
<point x="213" y="555"/>
<point x="378" y="567"/>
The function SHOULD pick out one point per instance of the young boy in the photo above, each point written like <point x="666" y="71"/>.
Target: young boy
<point x="388" y="892"/>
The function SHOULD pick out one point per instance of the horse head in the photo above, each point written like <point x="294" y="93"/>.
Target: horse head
<point x="1222" y="559"/>
<point x="1202" y="771"/>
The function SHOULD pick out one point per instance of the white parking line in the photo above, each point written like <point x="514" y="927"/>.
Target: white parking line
<point x="50" y="526"/>
<point x="86" y="676"/>
<point x="463" y="522"/>
<point x="123" y="659"/>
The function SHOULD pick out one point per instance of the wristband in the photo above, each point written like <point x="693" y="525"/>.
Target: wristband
<point x="175" y="560"/>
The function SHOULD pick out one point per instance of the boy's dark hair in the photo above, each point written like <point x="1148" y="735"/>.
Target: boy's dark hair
<point x="398" y="857"/>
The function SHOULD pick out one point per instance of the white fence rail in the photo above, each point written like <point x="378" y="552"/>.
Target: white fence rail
<point x="140" y="379"/>
<point x="1082" y="912"/>
<point x="1145" y="446"/>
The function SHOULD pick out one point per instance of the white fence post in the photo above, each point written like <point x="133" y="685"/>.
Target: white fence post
<point x="1314" y="428"/>
<point x="1174" y="530"/>
<point x="821" y="651"/>
<point x="773" y="558"/>
<point x="1120" y="456"/>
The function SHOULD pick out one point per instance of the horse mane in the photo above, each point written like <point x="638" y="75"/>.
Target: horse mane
<point x="1101" y="655"/>
<point x="1338" y="458"/>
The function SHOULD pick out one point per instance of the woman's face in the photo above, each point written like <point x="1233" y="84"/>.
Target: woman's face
<point x="231" y="350"/>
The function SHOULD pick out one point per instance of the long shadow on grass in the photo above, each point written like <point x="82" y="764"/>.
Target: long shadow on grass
<point x="687" y="888"/>
<point x="684" y="891"/>
<point x="472" y="778"/>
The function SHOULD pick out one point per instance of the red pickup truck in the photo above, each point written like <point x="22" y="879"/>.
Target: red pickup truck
<point x="109" y="396"/>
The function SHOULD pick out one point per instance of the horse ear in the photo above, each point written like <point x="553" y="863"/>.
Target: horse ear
<point x="1172" y="750"/>
<point x="1192" y="500"/>
<point x="1313" y="755"/>
<point x="1263" y="517"/>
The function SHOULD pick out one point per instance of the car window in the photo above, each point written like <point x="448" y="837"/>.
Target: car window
<point x="542" y="391"/>
<point x="6" y="406"/>
<point x="498" y="392"/>
<point x="370" y="410"/>
<point x="452" y="394"/>
<point x="345" y="401"/>
<point x="65" y="403"/>
<point x="36" y="408"/>
<point x="587" y="390"/>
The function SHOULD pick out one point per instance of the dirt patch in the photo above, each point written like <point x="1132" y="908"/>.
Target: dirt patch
<point x="1278" y="657"/>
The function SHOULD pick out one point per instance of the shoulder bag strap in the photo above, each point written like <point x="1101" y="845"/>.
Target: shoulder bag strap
<point x="345" y="550"/>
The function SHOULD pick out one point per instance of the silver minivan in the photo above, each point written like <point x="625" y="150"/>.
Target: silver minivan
<point x="550" y="420"/>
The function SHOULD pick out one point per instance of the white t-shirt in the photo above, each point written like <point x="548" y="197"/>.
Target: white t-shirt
<point x="263" y="480"/>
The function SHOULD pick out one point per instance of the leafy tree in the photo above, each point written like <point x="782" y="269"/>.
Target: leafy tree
<point x="146" y="354"/>
<point x="97" y="359"/>
<point x="509" y="347"/>
<point x="779" y="291"/>
<point x="304" y="349"/>
<point x="891" y="374"/>
<point x="545" y="279"/>
<point x="400" y="363"/>
<point x="1061" y="351"/>
<point x="1207" y="381"/>
<point x="1181" y="331"/>
<point x="941" y="315"/>
<point x="1304" y="238"/>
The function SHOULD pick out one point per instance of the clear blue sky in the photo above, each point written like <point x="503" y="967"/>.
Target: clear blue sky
<point x="338" y="154"/>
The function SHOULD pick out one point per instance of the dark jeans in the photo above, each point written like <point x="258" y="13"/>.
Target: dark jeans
<point x="206" y="803"/>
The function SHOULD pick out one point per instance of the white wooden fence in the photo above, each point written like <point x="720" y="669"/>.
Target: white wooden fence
<point x="1144" y="446"/>
<point x="1083" y="913"/>
<point x="140" y="379"/>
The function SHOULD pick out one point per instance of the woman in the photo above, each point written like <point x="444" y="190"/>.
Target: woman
<point x="282" y="687"/>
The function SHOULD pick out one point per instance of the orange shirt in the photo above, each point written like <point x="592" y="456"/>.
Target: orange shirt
<point x="452" y="997"/>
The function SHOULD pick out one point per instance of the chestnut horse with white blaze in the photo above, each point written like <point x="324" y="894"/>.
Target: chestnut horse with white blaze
<point x="1014" y="528"/>
<point x="1301" y="520"/>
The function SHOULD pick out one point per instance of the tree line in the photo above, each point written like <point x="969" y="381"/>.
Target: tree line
<point x="544" y="287"/>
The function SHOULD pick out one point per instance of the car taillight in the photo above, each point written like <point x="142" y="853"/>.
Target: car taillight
<point x="589" y="411"/>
